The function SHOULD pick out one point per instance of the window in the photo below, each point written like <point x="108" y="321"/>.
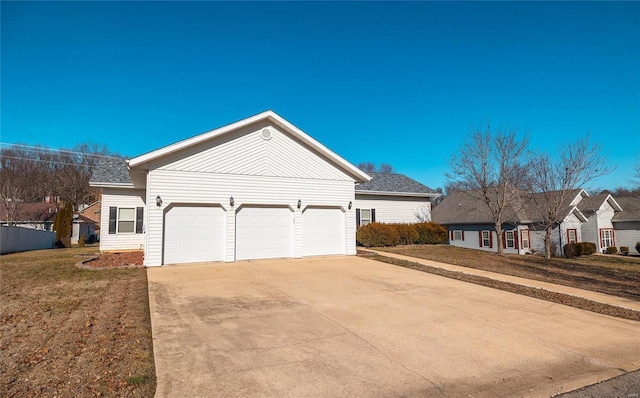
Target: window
<point x="485" y="239"/>
<point x="365" y="216"/>
<point x="125" y="220"/>
<point x="525" y="238"/>
<point x="458" y="235"/>
<point x="572" y="236"/>
<point x="509" y="239"/>
<point x="606" y="236"/>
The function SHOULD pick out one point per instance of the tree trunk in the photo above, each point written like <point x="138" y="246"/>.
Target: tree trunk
<point x="499" y="238"/>
<point x="547" y="242"/>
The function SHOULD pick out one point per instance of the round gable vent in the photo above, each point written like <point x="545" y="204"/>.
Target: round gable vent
<point x="266" y="133"/>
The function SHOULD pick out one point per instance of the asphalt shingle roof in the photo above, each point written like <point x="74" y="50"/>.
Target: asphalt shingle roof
<point x="630" y="209"/>
<point x="467" y="207"/>
<point x="111" y="170"/>
<point x="391" y="182"/>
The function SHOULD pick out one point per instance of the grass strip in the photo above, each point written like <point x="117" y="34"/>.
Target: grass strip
<point x="539" y="293"/>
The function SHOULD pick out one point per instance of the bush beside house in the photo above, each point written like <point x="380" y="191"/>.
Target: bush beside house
<point x="572" y="250"/>
<point x="380" y="234"/>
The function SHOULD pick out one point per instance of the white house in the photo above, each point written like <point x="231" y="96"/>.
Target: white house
<point x="600" y="210"/>
<point x="599" y="219"/>
<point x="393" y="198"/>
<point x="257" y="188"/>
<point x="626" y="223"/>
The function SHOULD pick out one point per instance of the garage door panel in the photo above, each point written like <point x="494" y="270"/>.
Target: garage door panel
<point x="264" y="232"/>
<point x="194" y="234"/>
<point x="323" y="232"/>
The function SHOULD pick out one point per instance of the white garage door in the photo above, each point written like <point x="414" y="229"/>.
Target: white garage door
<point x="323" y="232"/>
<point x="264" y="232"/>
<point x="194" y="234"/>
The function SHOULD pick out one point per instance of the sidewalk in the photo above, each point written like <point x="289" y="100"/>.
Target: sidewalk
<point x="552" y="287"/>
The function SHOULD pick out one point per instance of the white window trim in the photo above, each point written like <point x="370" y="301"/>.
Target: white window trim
<point x="365" y="220"/>
<point x="607" y="231"/>
<point x="507" y="239"/>
<point x="525" y="238"/>
<point x="459" y="237"/>
<point x="118" y="221"/>
<point x="486" y="242"/>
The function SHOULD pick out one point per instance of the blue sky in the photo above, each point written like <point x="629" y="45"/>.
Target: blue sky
<point x="400" y="83"/>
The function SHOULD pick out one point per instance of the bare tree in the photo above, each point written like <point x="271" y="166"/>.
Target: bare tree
<point x="73" y="171"/>
<point x="30" y="173"/>
<point x="635" y="178"/>
<point x="553" y="180"/>
<point x="370" y="167"/>
<point x="367" y="167"/>
<point x="19" y="176"/>
<point x="489" y="166"/>
<point x="385" y="168"/>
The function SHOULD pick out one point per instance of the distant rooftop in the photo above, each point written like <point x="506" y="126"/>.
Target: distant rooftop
<point x="391" y="182"/>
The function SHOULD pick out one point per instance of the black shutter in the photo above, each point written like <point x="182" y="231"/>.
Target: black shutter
<point x="373" y="215"/>
<point x="113" y="218"/>
<point x="357" y="217"/>
<point x="139" y="218"/>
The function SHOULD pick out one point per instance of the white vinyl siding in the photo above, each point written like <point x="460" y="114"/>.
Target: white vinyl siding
<point x="246" y="152"/>
<point x="216" y="189"/>
<point x="395" y="209"/>
<point x="120" y="198"/>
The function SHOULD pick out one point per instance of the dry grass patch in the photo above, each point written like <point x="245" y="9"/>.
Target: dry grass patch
<point x="72" y="332"/>
<point x="616" y="275"/>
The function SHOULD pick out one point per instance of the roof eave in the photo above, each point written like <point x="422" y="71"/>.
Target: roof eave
<point x="387" y="193"/>
<point x="350" y="169"/>
<point x="111" y="185"/>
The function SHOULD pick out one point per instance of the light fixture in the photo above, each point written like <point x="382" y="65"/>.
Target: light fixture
<point x="299" y="203"/>
<point x="158" y="201"/>
<point x="350" y="204"/>
<point x="231" y="201"/>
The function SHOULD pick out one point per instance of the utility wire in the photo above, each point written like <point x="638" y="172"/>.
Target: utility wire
<point x="48" y="161"/>
<point x="56" y="150"/>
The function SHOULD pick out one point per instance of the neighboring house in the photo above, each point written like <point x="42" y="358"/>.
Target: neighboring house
<point x="626" y="223"/>
<point x="600" y="210"/>
<point x="82" y="226"/>
<point x="257" y="188"/>
<point x="393" y="198"/>
<point x="584" y="219"/>
<point x="470" y="224"/>
<point x="93" y="213"/>
<point x="31" y="215"/>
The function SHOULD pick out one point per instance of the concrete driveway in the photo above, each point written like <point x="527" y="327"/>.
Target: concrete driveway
<point x="349" y="326"/>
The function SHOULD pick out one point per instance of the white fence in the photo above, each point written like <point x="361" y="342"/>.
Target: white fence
<point x="20" y="239"/>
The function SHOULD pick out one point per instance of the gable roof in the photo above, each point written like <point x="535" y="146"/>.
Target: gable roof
<point x="590" y="204"/>
<point x="466" y="207"/>
<point x="630" y="209"/>
<point x="270" y="117"/>
<point x="111" y="172"/>
<point x="394" y="184"/>
<point x="32" y="212"/>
